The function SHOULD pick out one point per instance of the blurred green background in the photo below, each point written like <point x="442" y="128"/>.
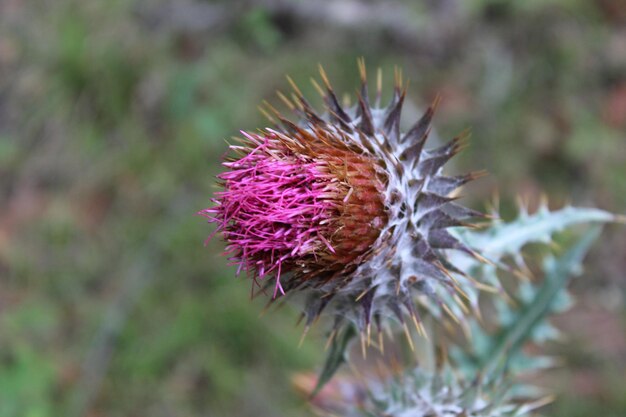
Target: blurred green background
<point x="113" y="116"/>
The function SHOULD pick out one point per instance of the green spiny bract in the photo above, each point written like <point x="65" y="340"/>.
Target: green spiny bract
<point x="416" y="393"/>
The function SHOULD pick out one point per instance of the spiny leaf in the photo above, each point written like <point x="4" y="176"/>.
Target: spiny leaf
<point x="509" y="238"/>
<point x="558" y="272"/>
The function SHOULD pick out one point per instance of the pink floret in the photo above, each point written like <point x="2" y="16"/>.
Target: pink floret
<point x="272" y="208"/>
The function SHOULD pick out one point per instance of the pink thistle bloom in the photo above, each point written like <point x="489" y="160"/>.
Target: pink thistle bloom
<point x="345" y="209"/>
<point x="275" y="208"/>
<point x="282" y="205"/>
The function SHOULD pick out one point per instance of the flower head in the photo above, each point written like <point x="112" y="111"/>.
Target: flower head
<point x="345" y="209"/>
<point x="288" y="197"/>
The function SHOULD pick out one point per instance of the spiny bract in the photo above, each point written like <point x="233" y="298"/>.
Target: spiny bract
<point x="417" y="393"/>
<point x="345" y="210"/>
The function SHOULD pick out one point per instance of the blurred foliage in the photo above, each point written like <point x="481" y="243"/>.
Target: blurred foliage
<point x="113" y="117"/>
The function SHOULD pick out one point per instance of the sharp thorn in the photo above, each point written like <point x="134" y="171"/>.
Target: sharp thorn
<point x="407" y="333"/>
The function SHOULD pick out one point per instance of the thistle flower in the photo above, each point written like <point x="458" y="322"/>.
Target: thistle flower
<point x="345" y="209"/>
<point x="417" y="393"/>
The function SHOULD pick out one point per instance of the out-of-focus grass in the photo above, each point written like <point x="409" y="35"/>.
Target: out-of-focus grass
<point x="111" y="129"/>
<point x="114" y="151"/>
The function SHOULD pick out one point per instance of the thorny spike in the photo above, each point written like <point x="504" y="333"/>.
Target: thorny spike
<point x="415" y="318"/>
<point x="297" y="103"/>
<point x="318" y="88"/>
<point x="466" y="330"/>
<point x="304" y="105"/>
<point x="285" y="100"/>
<point x="456" y="290"/>
<point x="337" y="118"/>
<point x="397" y="79"/>
<point x="397" y="88"/>
<point x="294" y="86"/>
<point x="430" y="166"/>
<point x="413" y="153"/>
<point x="363" y="346"/>
<point x="461" y="304"/>
<point x="421" y="127"/>
<point x="365" y="291"/>
<point x="427" y="202"/>
<point x="379" y="86"/>
<point x="482" y="286"/>
<point x="363" y="75"/>
<point x="324" y="77"/>
<point x="445" y="185"/>
<point x="366" y="125"/>
<point x="407" y="333"/>
<point x="418" y="326"/>
<point x="267" y="115"/>
<point x="481" y="258"/>
<point x="331" y="99"/>
<point x="392" y="121"/>
<point x="304" y="333"/>
<point x="271" y="108"/>
<point x="362" y="70"/>
<point x="450" y="313"/>
<point x="451" y="148"/>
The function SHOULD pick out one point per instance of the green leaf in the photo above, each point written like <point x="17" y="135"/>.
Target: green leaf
<point x="558" y="273"/>
<point x="337" y="356"/>
<point x="509" y="238"/>
<point x="503" y="239"/>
